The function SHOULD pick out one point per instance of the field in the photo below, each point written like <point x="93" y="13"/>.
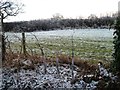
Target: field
<point x="60" y="59"/>
<point x="87" y="46"/>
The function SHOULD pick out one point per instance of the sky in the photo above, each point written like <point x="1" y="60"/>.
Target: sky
<point x="45" y="9"/>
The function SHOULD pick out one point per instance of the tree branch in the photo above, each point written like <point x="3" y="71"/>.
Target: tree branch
<point x="9" y="8"/>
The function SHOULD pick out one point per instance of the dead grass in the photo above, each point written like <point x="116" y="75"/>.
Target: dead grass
<point x="14" y="60"/>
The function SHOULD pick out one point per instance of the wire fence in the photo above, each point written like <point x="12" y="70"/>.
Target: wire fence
<point x="34" y="43"/>
<point x="27" y="50"/>
<point x="88" y="48"/>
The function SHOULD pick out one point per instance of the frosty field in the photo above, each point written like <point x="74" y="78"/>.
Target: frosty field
<point x="88" y="44"/>
<point x="90" y="48"/>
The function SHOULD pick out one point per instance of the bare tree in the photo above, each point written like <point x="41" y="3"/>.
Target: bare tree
<point x="92" y="17"/>
<point x="8" y="8"/>
<point x="57" y="16"/>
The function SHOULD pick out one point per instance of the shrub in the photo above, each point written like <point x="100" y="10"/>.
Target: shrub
<point x="116" y="54"/>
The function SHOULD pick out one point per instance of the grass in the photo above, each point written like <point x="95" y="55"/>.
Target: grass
<point x="90" y="50"/>
<point x="87" y="49"/>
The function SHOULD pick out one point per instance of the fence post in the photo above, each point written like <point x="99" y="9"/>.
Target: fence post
<point x="23" y="43"/>
<point x="72" y="65"/>
<point x="0" y="47"/>
<point x="2" y="39"/>
<point x="0" y="44"/>
<point x="57" y="64"/>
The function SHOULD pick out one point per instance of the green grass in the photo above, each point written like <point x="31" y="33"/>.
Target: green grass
<point x="86" y="49"/>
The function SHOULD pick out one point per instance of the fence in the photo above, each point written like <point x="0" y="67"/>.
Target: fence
<point x="30" y="45"/>
<point x="23" y="47"/>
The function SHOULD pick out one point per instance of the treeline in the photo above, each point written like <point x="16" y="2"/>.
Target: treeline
<point x="58" y="22"/>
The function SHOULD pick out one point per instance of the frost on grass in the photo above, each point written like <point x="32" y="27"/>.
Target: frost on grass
<point x="30" y="79"/>
<point x="13" y="78"/>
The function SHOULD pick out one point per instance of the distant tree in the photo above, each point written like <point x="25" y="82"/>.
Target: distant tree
<point x="59" y="22"/>
<point x="92" y="16"/>
<point x="114" y="15"/>
<point x="57" y="16"/>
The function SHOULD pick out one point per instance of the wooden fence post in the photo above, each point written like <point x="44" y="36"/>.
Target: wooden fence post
<point x="57" y="64"/>
<point x="72" y="65"/>
<point x="2" y="39"/>
<point x="23" y="43"/>
<point x="0" y="49"/>
<point x="0" y="42"/>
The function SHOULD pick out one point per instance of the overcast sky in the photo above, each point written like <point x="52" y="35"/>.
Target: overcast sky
<point x="43" y="9"/>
